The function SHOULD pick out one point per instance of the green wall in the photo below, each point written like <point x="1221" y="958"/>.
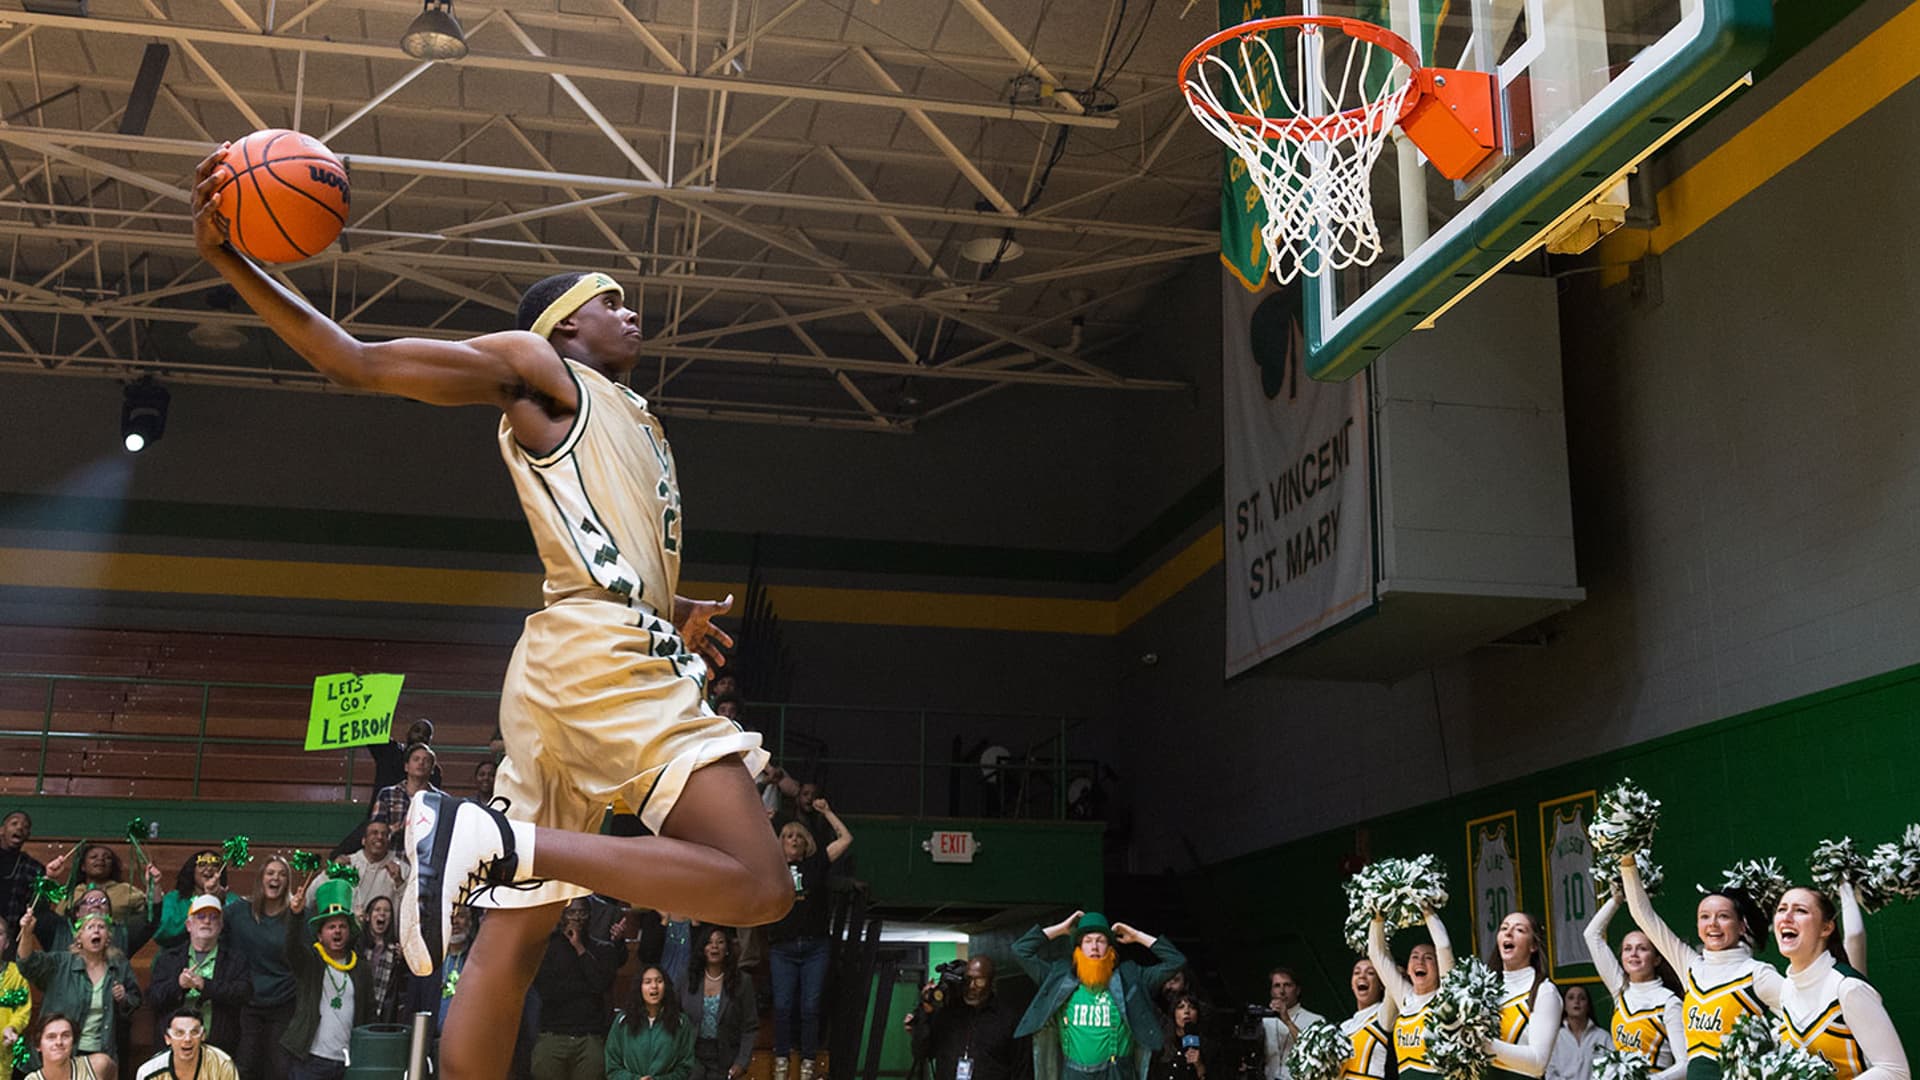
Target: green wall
<point x="1767" y="783"/>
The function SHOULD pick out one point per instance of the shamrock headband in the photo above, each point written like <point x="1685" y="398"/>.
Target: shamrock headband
<point x="576" y="296"/>
<point x="89" y="916"/>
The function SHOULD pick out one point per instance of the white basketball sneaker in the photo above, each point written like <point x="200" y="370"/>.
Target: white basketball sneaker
<point x="459" y="850"/>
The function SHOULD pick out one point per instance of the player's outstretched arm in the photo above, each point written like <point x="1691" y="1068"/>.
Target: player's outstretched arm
<point x="495" y="369"/>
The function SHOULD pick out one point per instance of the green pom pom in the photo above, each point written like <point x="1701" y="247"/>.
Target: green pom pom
<point x="49" y="890"/>
<point x="1611" y="1063"/>
<point x="1623" y="822"/>
<point x="137" y="830"/>
<point x="22" y="1056"/>
<point x="1836" y="864"/>
<point x="1606" y="875"/>
<point x="1464" y="1017"/>
<point x="340" y="871"/>
<point x="236" y="852"/>
<point x="1320" y="1053"/>
<point x="15" y="998"/>
<point x="1761" y="879"/>
<point x="1893" y="870"/>
<point x="1744" y="1051"/>
<point x="305" y="862"/>
<point x="1399" y="891"/>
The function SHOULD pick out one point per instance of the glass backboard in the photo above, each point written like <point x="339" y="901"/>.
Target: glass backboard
<point x="1584" y="90"/>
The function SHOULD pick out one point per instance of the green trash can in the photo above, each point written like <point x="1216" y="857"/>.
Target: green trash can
<point x="379" y="1052"/>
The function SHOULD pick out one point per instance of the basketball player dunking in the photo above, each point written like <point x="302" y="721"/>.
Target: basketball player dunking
<point x="603" y="697"/>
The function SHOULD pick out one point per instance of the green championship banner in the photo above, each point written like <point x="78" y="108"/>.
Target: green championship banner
<point x="352" y="710"/>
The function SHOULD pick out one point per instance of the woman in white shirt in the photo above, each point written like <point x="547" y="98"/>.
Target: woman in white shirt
<point x="1579" y="1038"/>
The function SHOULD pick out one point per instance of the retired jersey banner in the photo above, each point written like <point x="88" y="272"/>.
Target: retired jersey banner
<point x="1566" y="860"/>
<point x="1299" y="483"/>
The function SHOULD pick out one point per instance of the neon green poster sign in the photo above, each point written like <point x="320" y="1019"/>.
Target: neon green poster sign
<point x="352" y="710"/>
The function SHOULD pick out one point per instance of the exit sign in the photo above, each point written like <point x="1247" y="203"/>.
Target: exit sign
<point x="951" y="847"/>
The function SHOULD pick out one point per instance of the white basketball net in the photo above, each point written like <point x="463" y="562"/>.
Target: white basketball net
<point x="1313" y="155"/>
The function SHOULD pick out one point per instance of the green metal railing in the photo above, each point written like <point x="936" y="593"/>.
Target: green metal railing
<point x="798" y="734"/>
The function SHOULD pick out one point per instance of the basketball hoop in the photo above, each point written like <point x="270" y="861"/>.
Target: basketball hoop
<point x="1309" y="101"/>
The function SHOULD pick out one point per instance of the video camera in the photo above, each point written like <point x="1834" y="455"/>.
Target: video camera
<point x="949" y="981"/>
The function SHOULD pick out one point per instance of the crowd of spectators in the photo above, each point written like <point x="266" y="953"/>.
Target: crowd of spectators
<point x="270" y="985"/>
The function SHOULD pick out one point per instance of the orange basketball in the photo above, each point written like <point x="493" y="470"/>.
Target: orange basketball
<point x="287" y="198"/>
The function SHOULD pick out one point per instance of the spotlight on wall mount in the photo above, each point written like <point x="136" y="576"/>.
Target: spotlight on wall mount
<point x="143" y="414"/>
<point x="435" y="34"/>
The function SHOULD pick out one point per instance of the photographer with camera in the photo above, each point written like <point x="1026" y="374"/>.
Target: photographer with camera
<point x="965" y="1028"/>
<point x="1284" y="1020"/>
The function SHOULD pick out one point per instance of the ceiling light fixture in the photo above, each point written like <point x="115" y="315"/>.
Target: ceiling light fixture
<point x="143" y="414"/>
<point x="435" y="34"/>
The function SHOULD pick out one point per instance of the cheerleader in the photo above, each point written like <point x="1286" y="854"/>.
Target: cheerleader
<point x="1646" y="996"/>
<point x="1365" y="1028"/>
<point x="1825" y="1007"/>
<point x="1723" y="981"/>
<point x="1529" y="1002"/>
<point x="1403" y="1007"/>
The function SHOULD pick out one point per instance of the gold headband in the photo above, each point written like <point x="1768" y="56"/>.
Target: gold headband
<point x="577" y="294"/>
<point x="207" y="858"/>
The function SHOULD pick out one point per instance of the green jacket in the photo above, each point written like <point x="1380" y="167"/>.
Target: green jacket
<point x="1049" y="963"/>
<point x="65" y="988"/>
<point x="650" y="1051"/>
<point x="309" y="981"/>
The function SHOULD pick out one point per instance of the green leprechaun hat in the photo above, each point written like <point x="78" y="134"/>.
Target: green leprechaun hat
<point x="1092" y="922"/>
<point x="333" y="897"/>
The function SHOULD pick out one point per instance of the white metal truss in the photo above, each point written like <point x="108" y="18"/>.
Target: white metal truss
<point x="784" y="185"/>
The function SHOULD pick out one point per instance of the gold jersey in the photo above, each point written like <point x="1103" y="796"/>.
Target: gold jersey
<point x="1368" y="1061"/>
<point x="1709" y="1012"/>
<point x="604" y="505"/>
<point x="1828" y="1036"/>
<point x="1642" y="1032"/>
<point x="1410" y="1043"/>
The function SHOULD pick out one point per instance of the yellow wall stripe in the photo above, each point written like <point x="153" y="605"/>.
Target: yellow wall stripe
<point x="208" y="576"/>
<point x="1172" y="576"/>
<point x="1863" y="77"/>
<point x="361" y="583"/>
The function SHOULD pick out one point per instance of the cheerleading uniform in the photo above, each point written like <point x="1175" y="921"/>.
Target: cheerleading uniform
<point x="1721" y="986"/>
<point x="1403" y="1011"/>
<point x="1529" y="1020"/>
<point x="1827" y="1009"/>
<point x="1646" y="1015"/>
<point x="1370" y="1038"/>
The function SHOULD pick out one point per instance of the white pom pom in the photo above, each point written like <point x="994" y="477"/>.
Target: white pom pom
<point x="1606" y="875"/>
<point x="1611" y="1063"/>
<point x="1464" y="1017"/>
<point x="1623" y="822"/>
<point x="1893" y="870"/>
<point x="1399" y="891"/>
<point x="1761" y="879"/>
<point x="1836" y="864"/>
<point x="1320" y="1053"/>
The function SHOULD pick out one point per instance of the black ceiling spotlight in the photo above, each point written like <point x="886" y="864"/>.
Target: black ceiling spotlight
<point x="435" y="34"/>
<point x="143" y="414"/>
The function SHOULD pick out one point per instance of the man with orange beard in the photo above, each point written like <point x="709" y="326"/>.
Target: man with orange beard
<point x="1092" y="1017"/>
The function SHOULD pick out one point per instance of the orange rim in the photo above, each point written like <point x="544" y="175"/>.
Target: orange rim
<point x="1304" y="129"/>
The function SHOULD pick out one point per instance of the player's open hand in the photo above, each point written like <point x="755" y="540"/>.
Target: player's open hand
<point x="209" y="222"/>
<point x="694" y="620"/>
